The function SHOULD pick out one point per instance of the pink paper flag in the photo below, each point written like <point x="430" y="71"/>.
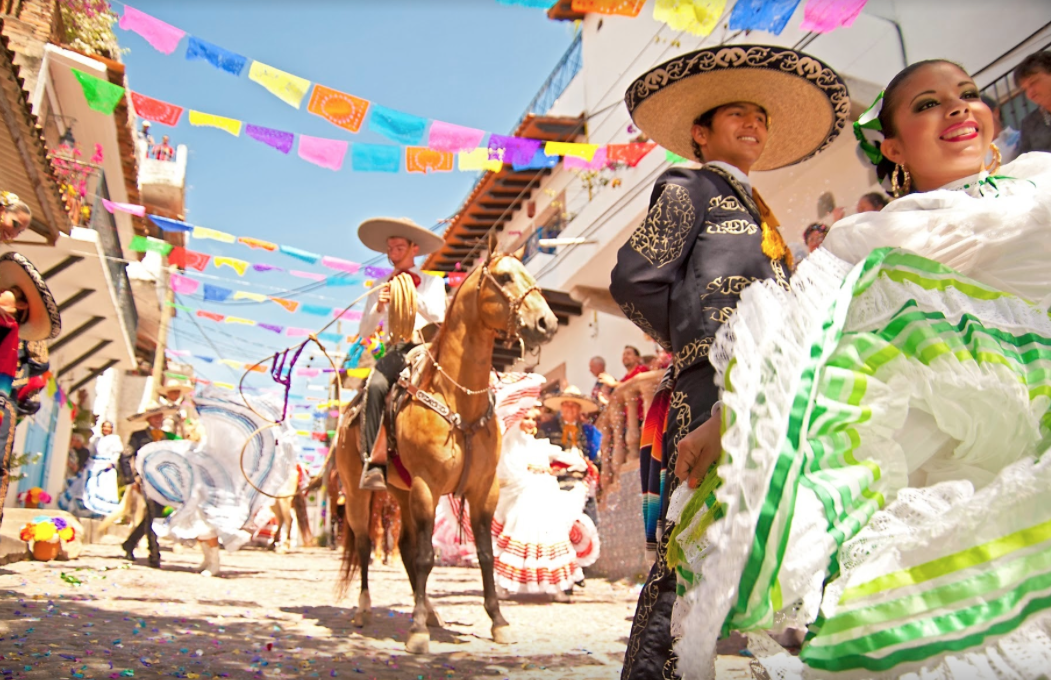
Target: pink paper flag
<point x="184" y="285"/>
<point x="328" y="153"/>
<point x="349" y="315"/>
<point x="308" y="372"/>
<point x="596" y="163"/>
<point x="825" y="16"/>
<point x="307" y="275"/>
<point x="449" y="137"/>
<point x="164" y="37"/>
<point x="340" y="265"/>
<point x="131" y="209"/>
<point x="294" y="332"/>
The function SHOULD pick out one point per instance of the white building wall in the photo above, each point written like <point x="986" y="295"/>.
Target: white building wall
<point x="589" y="335"/>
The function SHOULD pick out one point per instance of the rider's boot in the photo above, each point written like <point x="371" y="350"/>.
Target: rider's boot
<point x="374" y="474"/>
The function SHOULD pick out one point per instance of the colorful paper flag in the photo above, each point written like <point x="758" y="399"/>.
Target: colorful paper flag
<point x="201" y="119"/>
<point x="308" y="373"/>
<point x="183" y="285"/>
<point x="307" y="275"/>
<point x="165" y="224"/>
<point x="624" y="8"/>
<point x="340" y="265"/>
<point x="212" y="316"/>
<point x="328" y="153"/>
<point x="101" y="95"/>
<point x="245" y="295"/>
<point x="181" y="308"/>
<point x="316" y="310"/>
<point x="341" y="281"/>
<point x="357" y="372"/>
<point x="403" y="128"/>
<point x="468" y="161"/>
<point x="824" y="16"/>
<point x="512" y="149"/>
<point x="277" y="139"/>
<point x="293" y="332"/>
<point x="156" y="110"/>
<point x="339" y="108"/>
<point x="697" y="17"/>
<point x="454" y="138"/>
<point x="539" y="160"/>
<point x="423" y="160"/>
<point x="537" y="4"/>
<point x="239" y="320"/>
<point x="205" y="233"/>
<point x="289" y="305"/>
<point x="271" y="327"/>
<point x="285" y="86"/>
<point x="216" y="293"/>
<point x="674" y="158"/>
<point x="230" y="362"/>
<point x="260" y="267"/>
<point x="596" y="163"/>
<point x="220" y="58"/>
<point x="304" y="255"/>
<point x="130" y="208"/>
<point x="188" y="259"/>
<point x="456" y="278"/>
<point x="378" y="272"/>
<point x="375" y="157"/>
<point x="163" y="37"/>
<point x="145" y="244"/>
<point x="256" y="243"/>
<point x="762" y="15"/>
<point x="239" y="266"/>
<point x="629" y="154"/>
<point x="585" y="151"/>
<point x="349" y="315"/>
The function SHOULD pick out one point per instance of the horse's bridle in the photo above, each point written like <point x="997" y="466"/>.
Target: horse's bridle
<point x="514" y="323"/>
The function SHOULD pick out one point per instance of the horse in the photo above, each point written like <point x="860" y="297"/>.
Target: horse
<point x="290" y="508"/>
<point x="453" y="453"/>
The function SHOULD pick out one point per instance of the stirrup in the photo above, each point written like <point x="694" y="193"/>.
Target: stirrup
<point x="373" y="479"/>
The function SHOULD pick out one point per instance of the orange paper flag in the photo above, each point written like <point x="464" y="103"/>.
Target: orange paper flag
<point x="338" y="108"/>
<point x="624" y="8"/>
<point x="256" y="243"/>
<point x="422" y="159"/>
<point x="290" y="305"/>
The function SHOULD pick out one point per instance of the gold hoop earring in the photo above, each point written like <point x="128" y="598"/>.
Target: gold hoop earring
<point x="995" y="165"/>
<point x="906" y="182"/>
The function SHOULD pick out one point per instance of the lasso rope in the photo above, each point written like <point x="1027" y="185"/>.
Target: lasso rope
<point x="401" y="315"/>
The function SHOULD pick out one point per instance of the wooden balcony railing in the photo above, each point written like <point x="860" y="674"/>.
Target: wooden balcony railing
<point x="621" y="427"/>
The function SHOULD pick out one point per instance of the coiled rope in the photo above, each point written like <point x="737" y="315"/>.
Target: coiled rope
<point x="401" y="312"/>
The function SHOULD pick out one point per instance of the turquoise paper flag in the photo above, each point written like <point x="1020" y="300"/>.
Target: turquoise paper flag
<point x="300" y="254"/>
<point x="375" y="157"/>
<point x="400" y="127"/>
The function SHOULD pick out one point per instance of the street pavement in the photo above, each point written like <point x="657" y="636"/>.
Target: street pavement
<point x="276" y="616"/>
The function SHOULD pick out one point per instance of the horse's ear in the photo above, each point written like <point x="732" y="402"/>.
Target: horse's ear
<point x="493" y="243"/>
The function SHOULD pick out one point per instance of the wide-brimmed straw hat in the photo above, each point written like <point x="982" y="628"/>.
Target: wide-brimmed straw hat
<point x="173" y="386"/>
<point x="375" y="232"/>
<point x="44" y="322"/>
<point x="572" y="394"/>
<point x="154" y="408"/>
<point x="806" y="102"/>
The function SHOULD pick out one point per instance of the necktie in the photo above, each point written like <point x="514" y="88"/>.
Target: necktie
<point x="569" y="435"/>
<point x="413" y="275"/>
<point x="773" y="245"/>
<point x="156" y="435"/>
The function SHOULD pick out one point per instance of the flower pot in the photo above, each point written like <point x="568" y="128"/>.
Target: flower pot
<point x="45" y="551"/>
<point x="31" y="505"/>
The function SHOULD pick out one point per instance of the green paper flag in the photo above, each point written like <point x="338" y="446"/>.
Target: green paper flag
<point x="144" y="244"/>
<point x="672" y="157"/>
<point x="102" y="95"/>
<point x="181" y="308"/>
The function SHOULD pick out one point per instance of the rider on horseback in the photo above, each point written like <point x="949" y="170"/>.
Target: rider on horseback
<point x="401" y="240"/>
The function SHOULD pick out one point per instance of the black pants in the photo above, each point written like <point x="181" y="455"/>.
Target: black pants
<point x="377" y="387"/>
<point x="649" y="655"/>
<point x="153" y="510"/>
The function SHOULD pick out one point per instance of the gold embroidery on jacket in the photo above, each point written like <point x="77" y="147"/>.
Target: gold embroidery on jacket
<point x="731" y="227"/>
<point x="779" y="273"/>
<point x="662" y="235"/>
<point x="642" y="323"/>
<point x="726" y="203"/>
<point x="729" y="285"/>
<point x="696" y="349"/>
<point x="720" y="314"/>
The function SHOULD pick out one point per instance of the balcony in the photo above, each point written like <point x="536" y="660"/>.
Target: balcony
<point x="103" y="223"/>
<point x="162" y="184"/>
<point x="565" y="70"/>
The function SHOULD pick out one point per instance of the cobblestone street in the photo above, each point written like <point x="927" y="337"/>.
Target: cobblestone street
<point x="272" y="615"/>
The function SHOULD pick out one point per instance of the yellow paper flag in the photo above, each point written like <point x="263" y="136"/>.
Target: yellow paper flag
<point x="358" y="372"/>
<point x="223" y="386"/>
<point x="243" y="322"/>
<point x="477" y="160"/>
<point x="230" y="125"/>
<point x="239" y="266"/>
<point x="302" y="416"/>
<point x="285" y="86"/>
<point x="303" y="433"/>
<point x="232" y="363"/>
<point x="585" y="151"/>
<point x="221" y="236"/>
<point x="245" y="295"/>
<point x="698" y="17"/>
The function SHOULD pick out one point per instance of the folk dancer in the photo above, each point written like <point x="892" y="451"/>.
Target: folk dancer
<point x="708" y="234"/>
<point x="154" y="416"/>
<point x="401" y="240"/>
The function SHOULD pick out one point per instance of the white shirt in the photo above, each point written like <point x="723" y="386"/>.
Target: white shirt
<point x="430" y="304"/>
<point x="735" y="172"/>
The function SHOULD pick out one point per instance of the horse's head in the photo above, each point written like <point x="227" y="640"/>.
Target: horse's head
<point x="510" y="300"/>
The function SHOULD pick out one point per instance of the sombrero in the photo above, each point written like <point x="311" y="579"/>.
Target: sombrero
<point x="584" y="538"/>
<point x="44" y="321"/>
<point x="172" y="386"/>
<point x="573" y="394"/>
<point x="152" y="409"/>
<point x="807" y="103"/>
<point x="375" y="232"/>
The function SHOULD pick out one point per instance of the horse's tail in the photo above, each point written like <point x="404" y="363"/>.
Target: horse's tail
<point x="317" y="480"/>
<point x="299" y="505"/>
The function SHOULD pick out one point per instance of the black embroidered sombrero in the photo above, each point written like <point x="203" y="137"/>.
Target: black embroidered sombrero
<point x="375" y="232"/>
<point x="44" y="322"/>
<point x="807" y="103"/>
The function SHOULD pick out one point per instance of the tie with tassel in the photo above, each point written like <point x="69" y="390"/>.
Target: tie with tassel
<point x="774" y="245"/>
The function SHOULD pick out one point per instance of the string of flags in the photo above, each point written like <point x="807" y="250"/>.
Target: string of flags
<point x="700" y="17"/>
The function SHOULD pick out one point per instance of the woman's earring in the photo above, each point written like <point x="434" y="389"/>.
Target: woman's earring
<point x="995" y="165"/>
<point x="906" y="182"/>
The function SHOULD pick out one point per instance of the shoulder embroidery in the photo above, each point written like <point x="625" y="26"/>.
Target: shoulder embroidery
<point x="726" y="203"/>
<point x="697" y="349"/>
<point x="720" y="314"/>
<point x="635" y="316"/>
<point x="683" y="416"/>
<point x="661" y="237"/>
<point x="729" y="285"/>
<point x="731" y="227"/>
<point x="779" y="273"/>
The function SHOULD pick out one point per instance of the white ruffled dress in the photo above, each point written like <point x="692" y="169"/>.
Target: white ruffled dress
<point x="883" y="482"/>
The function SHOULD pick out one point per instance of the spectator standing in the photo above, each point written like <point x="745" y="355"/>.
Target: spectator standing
<point x="1005" y="138"/>
<point x="163" y="151"/>
<point x="604" y="382"/>
<point x="632" y="360"/>
<point x="814" y="235"/>
<point x="872" y="202"/>
<point x="1034" y="76"/>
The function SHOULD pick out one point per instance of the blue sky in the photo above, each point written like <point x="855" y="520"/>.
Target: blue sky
<point x="470" y="62"/>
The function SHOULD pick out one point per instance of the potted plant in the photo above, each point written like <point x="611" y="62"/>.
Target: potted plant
<point x="45" y="536"/>
<point x="34" y="498"/>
